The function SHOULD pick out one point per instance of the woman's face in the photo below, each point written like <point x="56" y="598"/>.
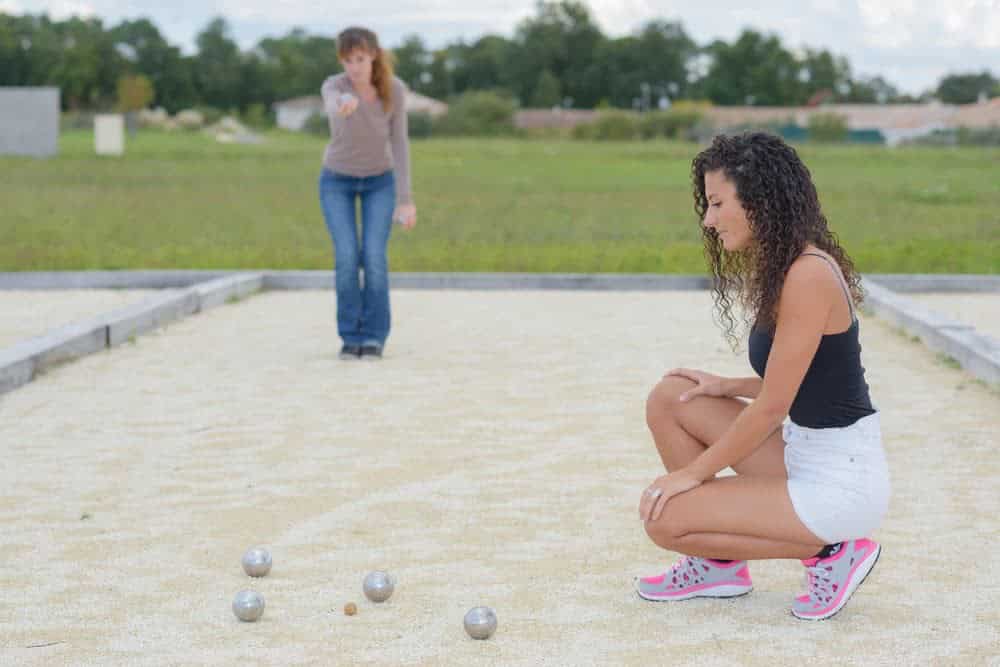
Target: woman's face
<point x="358" y="65"/>
<point x="725" y="213"/>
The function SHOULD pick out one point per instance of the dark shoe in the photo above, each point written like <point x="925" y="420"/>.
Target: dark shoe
<point x="350" y="352"/>
<point x="373" y="352"/>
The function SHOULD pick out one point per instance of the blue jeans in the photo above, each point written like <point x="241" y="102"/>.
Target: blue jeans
<point x="362" y="311"/>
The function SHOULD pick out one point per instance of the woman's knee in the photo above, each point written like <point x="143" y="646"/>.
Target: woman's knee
<point x="667" y="530"/>
<point x="347" y="258"/>
<point x="662" y="401"/>
<point x="376" y="268"/>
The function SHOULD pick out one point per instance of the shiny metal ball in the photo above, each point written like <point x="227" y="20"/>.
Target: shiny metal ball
<point x="378" y="586"/>
<point x="257" y="562"/>
<point x="481" y="622"/>
<point x="248" y="605"/>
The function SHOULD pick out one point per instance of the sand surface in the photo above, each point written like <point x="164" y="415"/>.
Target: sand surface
<point x="29" y="313"/>
<point x="495" y="456"/>
<point x="981" y="310"/>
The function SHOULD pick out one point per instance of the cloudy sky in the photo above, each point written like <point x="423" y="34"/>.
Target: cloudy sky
<point x="910" y="42"/>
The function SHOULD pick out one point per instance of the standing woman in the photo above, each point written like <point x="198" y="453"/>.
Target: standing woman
<point x="367" y="159"/>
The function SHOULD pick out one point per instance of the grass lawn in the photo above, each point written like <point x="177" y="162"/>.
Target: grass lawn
<point x="181" y="200"/>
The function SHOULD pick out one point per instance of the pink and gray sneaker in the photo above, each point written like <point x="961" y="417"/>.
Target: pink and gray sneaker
<point x="831" y="581"/>
<point x="693" y="577"/>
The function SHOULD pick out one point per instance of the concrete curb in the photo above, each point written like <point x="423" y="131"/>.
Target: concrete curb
<point x="134" y="320"/>
<point x="929" y="282"/>
<point x="229" y="288"/>
<point x="64" y="280"/>
<point x="290" y="280"/>
<point x="976" y="353"/>
<point x="20" y="363"/>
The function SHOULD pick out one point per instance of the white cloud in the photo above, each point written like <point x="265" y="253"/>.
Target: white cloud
<point x="63" y="9"/>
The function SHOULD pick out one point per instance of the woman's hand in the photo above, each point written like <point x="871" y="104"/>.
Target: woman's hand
<point x="655" y="496"/>
<point x="406" y="215"/>
<point x="706" y="383"/>
<point x="346" y="104"/>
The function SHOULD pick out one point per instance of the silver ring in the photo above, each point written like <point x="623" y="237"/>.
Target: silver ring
<point x="654" y="492"/>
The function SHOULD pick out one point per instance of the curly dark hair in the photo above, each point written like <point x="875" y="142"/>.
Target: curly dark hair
<point x="782" y="207"/>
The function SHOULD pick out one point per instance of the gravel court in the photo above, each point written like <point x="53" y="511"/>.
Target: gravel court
<point x="28" y="313"/>
<point x="495" y="456"/>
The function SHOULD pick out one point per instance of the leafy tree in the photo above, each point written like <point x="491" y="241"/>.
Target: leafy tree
<point x="482" y="65"/>
<point x="217" y="73"/>
<point x="664" y="51"/>
<point x="148" y="53"/>
<point x="563" y="39"/>
<point x="546" y="91"/>
<point x="966" y="88"/>
<point x="874" y="90"/>
<point x="292" y="66"/>
<point x="822" y="71"/>
<point x="411" y="60"/>
<point x="755" y="69"/>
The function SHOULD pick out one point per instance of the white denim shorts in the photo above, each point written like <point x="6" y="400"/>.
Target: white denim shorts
<point x="838" y="479"/>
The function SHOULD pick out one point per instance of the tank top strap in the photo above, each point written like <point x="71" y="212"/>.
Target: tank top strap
<point x="840" y="280"/>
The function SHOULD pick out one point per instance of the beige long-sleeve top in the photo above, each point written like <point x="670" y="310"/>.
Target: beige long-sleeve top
<point x="369" y="141"/>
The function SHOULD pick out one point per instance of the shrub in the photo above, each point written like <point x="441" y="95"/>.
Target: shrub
<point x="667" y="124"/>
<point x="258" y="117"/>
<point x="611" y="126"/>
<point x="827" y="127"/>
<point x="317" y="124"/>
<point x="478" y="113"/>
<point x="981" y="136"/>
<point x="210" y="115"/>
<point x="420" y="124"/>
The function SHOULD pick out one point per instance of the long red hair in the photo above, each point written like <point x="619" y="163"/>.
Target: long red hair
<point x="362" y="38"/>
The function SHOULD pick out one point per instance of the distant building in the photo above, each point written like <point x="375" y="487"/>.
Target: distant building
<point x="292" y="114"/>
<point x="890" y="124"/>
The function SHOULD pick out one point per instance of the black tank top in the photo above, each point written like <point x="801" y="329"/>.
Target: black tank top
<point x="834" y="393"/>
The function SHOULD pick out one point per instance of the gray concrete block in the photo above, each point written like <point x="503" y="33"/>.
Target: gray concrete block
<point x="15" y="370"/>
<point x="59" y="280"/>
<point x="907" y="313"/>
<point x="152" y="313"/>
<point x="929" y="282"/>
<point x="976" y="353"/>
<point x="69" y="342"/>
<point x="222" y="290"/>
<point x="20" y="362"/>
<point x="295" y="280"/>
<point x="548" y="281"/>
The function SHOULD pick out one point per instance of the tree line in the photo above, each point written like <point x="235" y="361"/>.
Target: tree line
<point x="556" y="57"/>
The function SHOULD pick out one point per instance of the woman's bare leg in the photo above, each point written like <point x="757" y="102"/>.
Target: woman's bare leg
<point x="735" y="518"/>
<point x="682" y="431"/>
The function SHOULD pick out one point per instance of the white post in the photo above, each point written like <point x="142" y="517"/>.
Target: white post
<point x="109" y="134"/>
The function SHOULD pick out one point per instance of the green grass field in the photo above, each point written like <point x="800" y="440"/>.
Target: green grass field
<point x="184" y="201"/>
